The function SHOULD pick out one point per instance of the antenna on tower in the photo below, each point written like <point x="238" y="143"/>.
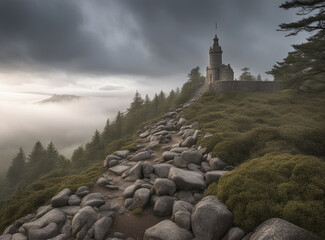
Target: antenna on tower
<point x="216" y="26"/>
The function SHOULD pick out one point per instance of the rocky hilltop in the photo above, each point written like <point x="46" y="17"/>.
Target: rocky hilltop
<point x="56" y="98"/>
<point x="155" y="193"/>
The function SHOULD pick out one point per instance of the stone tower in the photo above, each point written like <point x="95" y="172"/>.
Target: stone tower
<point x="216" y="70"/>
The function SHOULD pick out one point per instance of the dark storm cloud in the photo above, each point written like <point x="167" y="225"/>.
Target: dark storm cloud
<point x="138" y="37"/>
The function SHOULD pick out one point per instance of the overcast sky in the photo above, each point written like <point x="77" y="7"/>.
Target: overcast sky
<point x="105" y="47"/>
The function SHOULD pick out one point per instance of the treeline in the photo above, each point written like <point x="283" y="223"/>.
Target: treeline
<point x="41" y="161"/>
<point x="140" y="111"/>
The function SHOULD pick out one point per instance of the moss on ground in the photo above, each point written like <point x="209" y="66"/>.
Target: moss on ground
<point x="246" y="126"/>
<point x="287" y="186"/>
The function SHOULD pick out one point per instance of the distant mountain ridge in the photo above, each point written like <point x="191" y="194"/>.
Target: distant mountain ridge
<point x="60" y="98"/>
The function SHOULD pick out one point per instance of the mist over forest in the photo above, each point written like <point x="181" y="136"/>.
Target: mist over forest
<point x="68" y="125"/>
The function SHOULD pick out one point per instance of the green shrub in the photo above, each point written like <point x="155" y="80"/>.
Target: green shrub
<point x="287" y="186"/>
<point x="137" y="211"/>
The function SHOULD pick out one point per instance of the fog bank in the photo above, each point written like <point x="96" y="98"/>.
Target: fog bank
<point x="67" y="125"/>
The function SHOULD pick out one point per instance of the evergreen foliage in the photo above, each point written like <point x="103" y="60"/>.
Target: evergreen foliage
<point x="195" y="81"/>
<point x="246" y="75"/>
<point x="16" y="169"/>
<point x="303" y="68"/>
<point x="286" y="186"/>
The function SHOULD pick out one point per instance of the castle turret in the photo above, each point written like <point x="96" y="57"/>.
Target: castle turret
<point x="216" y="70"/>
<point x="215" y="54"/>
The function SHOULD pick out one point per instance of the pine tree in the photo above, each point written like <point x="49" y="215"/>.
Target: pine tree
<point x="246" y="75"/>
<point x="106" y="134"/>
<point x="35" y="162"/>
<point x="16" y="169"/>
<point x="303" y="68"/>
<point x="313" y="9"/>
<point x="51" y="158"/>
<point x="259" y="78"/>
<point x="94" y="150"/>
<point x="78" y="157"/>
<point x="136" y="103"/>
<point x="147" y="100"/>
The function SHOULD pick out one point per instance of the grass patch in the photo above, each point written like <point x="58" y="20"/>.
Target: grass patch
<point x="287" y="186"/>
<point x="246" y="126"/>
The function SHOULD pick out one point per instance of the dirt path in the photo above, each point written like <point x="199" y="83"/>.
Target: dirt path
<point x="128" y="223"/>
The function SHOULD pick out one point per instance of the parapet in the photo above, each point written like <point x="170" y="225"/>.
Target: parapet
<point x="244" y="86"/>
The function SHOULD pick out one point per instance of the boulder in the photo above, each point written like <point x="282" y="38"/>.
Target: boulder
<point x="167" y="230"/>
<point x="49" y="231"/>
<point x="102" y="181"/>
<point x="192" y="156"/>
<point x="193" y="167"/>
<point x="162" y="170"/>
<point x="183" y="219"/>
<point x="42" y="210"/>
<point x="182" y="206"/>
<point x="179" y="162"/>
<point x="188" y="142"/>
<point x="135" y="172"/>
<point x="164" y="206"/>
<point x="145" y="134"/>
<point x="279" y="229"/>
<point x="61" y="199"/>
<point x="54" y="216"/>
<point x="93" y="200"/>
<point x="10" y="230"/>
<point x="74" y="200"/>
<point x="122" y="153"/>
<point x="234" y="233"/>
<point x="188" y="133"/>
<point x="82" y="191"/>
<point x="187" y="180"/>
<point x="164" y="186"/>
<point x="18" y="236"/>
<point x="141" y="156"/>
<point x="169" y="155"/>
<point x="147" y="169"/>
<point x="211" y="219"/>
<point x="113" y="163"/>
<point x="206" y="167"/>
<point x="217" y="164"/>
<point x="140" y="199"/>
<point x="70" y="210"/>
<point x="186" y="196"/>
<point x="6" y="237"/>
<point x="82" y="222"/>
<point x="180" y="123"/>
<point x="102" y="228"/>
<point x="179" y="149"/>
<point x="66" y="229"/>
<point x="119" y="169"/>
<point x="213" y="176"/>
<point x="130" y="190"/>
<point x="59" y="237"/>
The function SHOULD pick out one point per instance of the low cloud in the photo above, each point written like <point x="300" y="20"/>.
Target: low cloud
<point x="68" y="125"/>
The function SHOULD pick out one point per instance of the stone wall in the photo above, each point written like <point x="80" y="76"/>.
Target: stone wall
<point x="244" y="86"/>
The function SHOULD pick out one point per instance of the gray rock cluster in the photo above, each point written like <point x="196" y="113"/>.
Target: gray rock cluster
<point x="81" y="216"/>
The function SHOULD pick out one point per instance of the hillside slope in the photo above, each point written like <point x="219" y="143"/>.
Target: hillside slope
<point x="272" y="138"/>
